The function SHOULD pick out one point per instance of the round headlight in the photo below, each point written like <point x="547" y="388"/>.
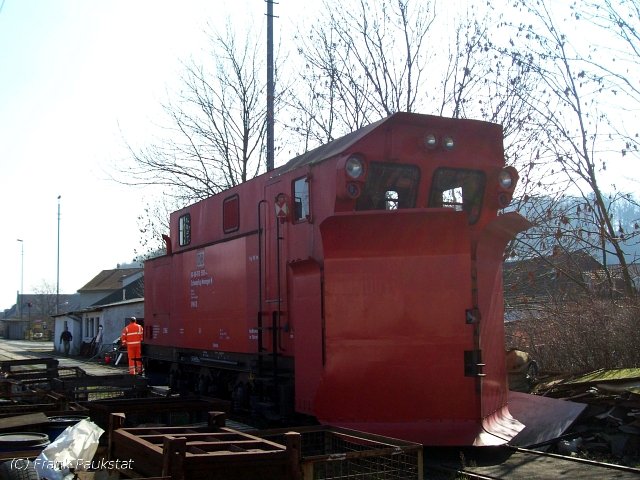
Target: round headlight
<point x="354" y="167"/>
<point x="448" y="143"/>
<point x="505" y="179"/>
<point x="430" y="140"/>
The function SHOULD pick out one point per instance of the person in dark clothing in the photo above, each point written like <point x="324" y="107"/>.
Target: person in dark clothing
<point x="65" y="339"/>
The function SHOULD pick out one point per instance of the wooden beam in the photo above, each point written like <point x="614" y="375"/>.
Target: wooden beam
<point x="174" y="450"/>
<point x="22" y="421"/>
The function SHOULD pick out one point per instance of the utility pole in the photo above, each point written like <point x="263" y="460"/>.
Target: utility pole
<point x="58" y="262"/>
<point x="270" y="86"/>
<point x="19" y="303"/>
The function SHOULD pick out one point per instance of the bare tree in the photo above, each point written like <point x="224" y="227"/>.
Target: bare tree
<point x="216" y="133"/>
<point x="618" y="62"/>
<point x="575" y="128"/>
<point x="44" y="300"/>
<point x="366" y="62"/>
<point x="619" y="57"/>
<point x="480" y="82"/>
<point x="362" y="64"/>
<point x="152" y="225"/>
<point x="465" y="81"/>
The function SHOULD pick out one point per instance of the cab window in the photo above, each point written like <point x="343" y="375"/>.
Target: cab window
<point x="184" y="230"/>
<point x="231" y="214"/>
<point x="461" y="190"/>
<point x="389" y="186"/>
<point x="301" y="199"/>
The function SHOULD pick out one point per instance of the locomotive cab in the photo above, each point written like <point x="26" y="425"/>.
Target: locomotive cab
<point x="413" y="287"/>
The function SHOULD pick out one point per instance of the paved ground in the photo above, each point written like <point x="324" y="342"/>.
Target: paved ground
<point x="22" y="349"/>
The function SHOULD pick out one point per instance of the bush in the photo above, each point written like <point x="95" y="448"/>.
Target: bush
<point x="576" y="338"/>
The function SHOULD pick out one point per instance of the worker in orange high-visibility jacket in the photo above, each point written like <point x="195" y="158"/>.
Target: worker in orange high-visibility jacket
<point x="132" y="338"/>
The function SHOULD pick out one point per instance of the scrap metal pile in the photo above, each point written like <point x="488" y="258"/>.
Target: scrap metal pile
<point x="610" y="426"/>
<point x="148" y="435"/>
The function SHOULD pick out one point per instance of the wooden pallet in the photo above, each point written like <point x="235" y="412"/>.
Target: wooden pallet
<point x="212" y="452"/>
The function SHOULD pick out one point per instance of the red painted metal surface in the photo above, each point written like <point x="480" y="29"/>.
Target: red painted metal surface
<point x="382" y="293"/>
<point x="306" y="302"/>
<point x="490" y="248"/>
<point x="395" y="299"/>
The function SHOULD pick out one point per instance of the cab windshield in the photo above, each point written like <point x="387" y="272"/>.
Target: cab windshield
<point x="389" y="186"/>
<point x="461" y="190"/>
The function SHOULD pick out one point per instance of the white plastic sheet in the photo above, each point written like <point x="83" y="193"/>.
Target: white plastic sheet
<point x="73" y="450"/>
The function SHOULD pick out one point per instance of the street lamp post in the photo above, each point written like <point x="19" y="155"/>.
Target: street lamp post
<point x="19" y="304"/>
<point x="58" y="262"/>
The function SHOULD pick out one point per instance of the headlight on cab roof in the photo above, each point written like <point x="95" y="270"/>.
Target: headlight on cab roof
<point x="448" y="143"/>
<point x="430" y="140"/>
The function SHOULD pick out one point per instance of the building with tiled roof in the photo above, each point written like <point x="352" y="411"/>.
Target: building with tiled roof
<point x="106" y="282"/>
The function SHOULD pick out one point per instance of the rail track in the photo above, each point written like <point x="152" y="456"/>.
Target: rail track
<point x="510" y="463"/>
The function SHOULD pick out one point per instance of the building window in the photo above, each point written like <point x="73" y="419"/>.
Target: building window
<point x="231" y="214"/>
<point x="184" y="229"/>
<point x="301" y="199"/>
<point x="90" y="328"/>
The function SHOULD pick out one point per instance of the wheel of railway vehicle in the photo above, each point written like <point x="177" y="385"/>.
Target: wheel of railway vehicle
<point x="174" y="377"/>
<point x="204" y="380"/>
<point x="18" y="469"/>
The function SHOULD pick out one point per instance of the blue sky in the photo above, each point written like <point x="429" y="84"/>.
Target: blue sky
<point x="75" y="76"/>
